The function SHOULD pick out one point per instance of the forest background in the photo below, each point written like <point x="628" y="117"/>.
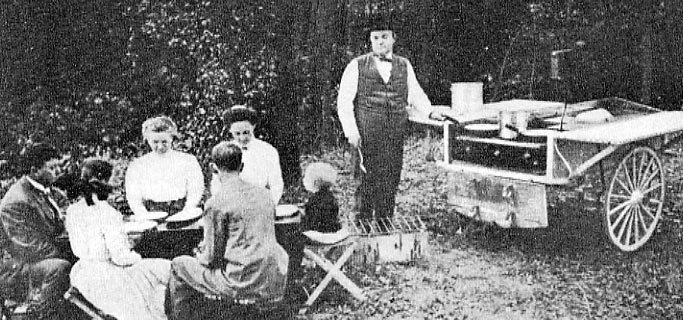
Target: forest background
<point x="84" y="75"/>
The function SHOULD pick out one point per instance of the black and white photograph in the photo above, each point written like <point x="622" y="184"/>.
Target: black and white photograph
<point x="348" y="159"/>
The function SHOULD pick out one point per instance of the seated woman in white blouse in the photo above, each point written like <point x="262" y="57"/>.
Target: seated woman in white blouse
<point x="164" y="179"/>
<point x="261" y="160"/>
<point x="108" y="273"/>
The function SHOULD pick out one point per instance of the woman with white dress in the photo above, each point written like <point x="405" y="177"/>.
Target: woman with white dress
<point x="108" y="273"/>
<point x="261" y="160"/>
<point x="164" y="179"/>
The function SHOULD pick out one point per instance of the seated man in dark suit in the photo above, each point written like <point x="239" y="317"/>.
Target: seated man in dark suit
<point x="32" y="267"/>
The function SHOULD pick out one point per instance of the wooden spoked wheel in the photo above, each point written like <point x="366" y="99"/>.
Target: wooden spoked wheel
<point x="634" y="201"/>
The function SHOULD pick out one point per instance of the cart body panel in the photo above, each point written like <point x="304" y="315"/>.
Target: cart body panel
<point x="504" y="201"/>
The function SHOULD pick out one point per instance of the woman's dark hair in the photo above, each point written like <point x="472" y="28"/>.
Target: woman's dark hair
<point x="94" y="174"/>
<point x="240" y="113"/>
<point x="69" y="183"/>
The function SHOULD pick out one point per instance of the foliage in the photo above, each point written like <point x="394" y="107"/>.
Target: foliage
<point x="139" y="59"/>
<point x="90" y="80"/>
<point x="217" y="55"/>
<point x="58" y="88"/>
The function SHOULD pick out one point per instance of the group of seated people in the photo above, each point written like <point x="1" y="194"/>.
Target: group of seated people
<point x="238" y="258"/>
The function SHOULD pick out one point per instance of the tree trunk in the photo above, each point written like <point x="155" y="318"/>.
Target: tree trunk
<point x="284" y="117"/>
<point x="647" y="65"/>
<point x="324" y="15"/>
<point x="646" y="52"/>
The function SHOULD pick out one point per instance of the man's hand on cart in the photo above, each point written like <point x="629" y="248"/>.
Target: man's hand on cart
<point x="436" y="114"/>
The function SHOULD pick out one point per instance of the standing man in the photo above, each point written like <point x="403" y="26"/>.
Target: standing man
<point x="33" y="267"/>
<point x="374" y="92"/>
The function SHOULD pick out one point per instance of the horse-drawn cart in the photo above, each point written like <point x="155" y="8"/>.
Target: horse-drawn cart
<point x="502" y="158"/>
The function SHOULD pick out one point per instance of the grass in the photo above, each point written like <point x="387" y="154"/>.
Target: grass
<point x="566" y="271"/>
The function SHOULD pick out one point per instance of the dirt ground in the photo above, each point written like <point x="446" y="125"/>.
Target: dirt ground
<point x="566" y="271"/>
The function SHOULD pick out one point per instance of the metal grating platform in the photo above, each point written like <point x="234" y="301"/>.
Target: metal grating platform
<point x="382" y="226"/>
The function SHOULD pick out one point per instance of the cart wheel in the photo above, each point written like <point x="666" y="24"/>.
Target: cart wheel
<point x="634" y="201"/>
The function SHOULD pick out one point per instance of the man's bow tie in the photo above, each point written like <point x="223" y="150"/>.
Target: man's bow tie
<point x="383" y="58"/>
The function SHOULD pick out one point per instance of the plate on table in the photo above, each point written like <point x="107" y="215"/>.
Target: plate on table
<point x="185" y="215"/>
<point x="152" y="215"/>
<point x="286" y="210"/>
<point x="139" y="226"/>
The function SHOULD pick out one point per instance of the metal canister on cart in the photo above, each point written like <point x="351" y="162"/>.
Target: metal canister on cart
<point x="507" y="128"/>
<point x="512" y="123"/>
<point x="521" y="120"/>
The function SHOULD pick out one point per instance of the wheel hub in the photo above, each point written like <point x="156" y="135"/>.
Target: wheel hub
<point x="637" y="197"/>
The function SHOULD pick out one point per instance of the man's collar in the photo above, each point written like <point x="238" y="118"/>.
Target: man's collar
<point x="37" y="185"/>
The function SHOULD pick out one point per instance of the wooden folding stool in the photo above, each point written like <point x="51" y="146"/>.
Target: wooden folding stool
<point x="333" y="269"/>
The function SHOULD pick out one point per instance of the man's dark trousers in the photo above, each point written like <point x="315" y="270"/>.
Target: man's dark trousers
<point x="382" y="135"/>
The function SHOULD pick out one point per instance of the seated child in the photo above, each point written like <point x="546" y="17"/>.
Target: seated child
<point x="322" y="210"/>
<point x="321" y="214"/>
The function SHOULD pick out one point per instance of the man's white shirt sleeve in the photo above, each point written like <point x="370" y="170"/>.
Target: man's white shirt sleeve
<point x="348" y="87"/>
<point x="416" y="96"/>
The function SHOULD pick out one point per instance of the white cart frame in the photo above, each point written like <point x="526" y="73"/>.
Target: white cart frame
<point x="633" y="197"/>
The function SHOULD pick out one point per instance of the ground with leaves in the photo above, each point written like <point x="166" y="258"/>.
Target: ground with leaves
<point x="566" y="271"/>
